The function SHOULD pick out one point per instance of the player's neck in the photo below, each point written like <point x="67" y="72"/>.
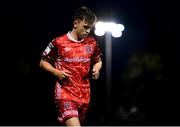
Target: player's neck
<point x="73" y="35"/>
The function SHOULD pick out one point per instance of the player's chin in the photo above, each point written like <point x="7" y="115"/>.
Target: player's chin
<point x="84" y="36"/>
<point x="95" y="77"/>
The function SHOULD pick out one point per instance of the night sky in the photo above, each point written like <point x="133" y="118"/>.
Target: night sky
<point x="26" y="92"/>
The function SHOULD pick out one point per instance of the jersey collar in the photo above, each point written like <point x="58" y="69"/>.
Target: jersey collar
<point x="72" y="39"/>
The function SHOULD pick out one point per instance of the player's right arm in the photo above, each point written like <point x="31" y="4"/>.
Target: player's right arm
<point x="48" y="58"/>
<point x="45" y="63"/>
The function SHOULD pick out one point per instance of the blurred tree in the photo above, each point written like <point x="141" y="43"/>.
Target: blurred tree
<point x="142" y="69"/>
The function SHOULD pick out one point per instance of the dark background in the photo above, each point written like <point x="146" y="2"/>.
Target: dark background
<point x="151" y="27"/>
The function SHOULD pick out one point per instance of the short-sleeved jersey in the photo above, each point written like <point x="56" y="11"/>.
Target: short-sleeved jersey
<point x="76" y="57"/>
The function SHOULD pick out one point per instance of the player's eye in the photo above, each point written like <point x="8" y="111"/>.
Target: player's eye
<point x="86" y="27"/>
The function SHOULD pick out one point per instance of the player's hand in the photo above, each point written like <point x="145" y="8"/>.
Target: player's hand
<point x="63" y="74"/>
<point x="95" y="73"/>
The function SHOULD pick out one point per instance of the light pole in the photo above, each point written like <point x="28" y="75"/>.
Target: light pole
<point x="108" y="71"/>
<point x="115" y="30"/>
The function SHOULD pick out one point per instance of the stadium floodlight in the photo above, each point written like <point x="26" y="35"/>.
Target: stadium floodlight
<point x="113" y="28"/>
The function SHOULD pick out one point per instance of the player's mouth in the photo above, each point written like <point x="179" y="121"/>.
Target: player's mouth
<point x="84" y="35"/>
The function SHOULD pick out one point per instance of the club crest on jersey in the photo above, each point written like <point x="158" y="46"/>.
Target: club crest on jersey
<point x="88" y="49"/>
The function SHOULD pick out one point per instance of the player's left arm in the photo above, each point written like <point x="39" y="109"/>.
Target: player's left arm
<point x="96" y="68"/>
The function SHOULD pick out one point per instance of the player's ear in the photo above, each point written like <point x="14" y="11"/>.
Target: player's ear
<point x="75" y="23"/>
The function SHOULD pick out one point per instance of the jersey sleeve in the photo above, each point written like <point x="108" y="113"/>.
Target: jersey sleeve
<point x="97" y="53"/>
<point x="50" y="50"/>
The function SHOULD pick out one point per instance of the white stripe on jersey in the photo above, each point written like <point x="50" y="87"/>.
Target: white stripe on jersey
<point x="47" y="50"/>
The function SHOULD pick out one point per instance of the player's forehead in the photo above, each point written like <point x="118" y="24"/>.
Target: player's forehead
<point x="86" y="23"/>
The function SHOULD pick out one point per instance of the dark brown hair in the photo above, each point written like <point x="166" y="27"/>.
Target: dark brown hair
<point x="84" y="13"/>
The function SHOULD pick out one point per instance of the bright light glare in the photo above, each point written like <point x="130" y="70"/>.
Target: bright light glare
<point x="116" y="33"/>
<point x="120" y="27"/>
<point x="102" y="27"/>
<point x="99" y="25"/>
<point x="99" y="32"/>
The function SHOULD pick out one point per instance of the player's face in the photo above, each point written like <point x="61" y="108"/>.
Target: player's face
<point x="83" y="29"/>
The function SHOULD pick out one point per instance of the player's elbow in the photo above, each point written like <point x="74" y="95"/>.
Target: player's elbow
<point x="41" y="63"/>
